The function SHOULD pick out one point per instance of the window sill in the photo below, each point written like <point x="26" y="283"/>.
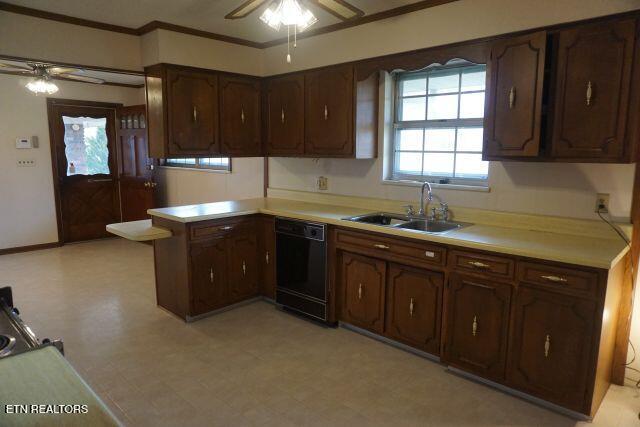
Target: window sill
<point x="460" y="187"/>
<point x="194" y="169"/>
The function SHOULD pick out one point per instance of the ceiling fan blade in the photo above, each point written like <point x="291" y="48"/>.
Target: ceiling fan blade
<point x="61" y="70"/>
<point x="15" y="67"/>
<point x="84" y="79"/>
<point x="245" y="9"/>
<point x="339" y="8"/>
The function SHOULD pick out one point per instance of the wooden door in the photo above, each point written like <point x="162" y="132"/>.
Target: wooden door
<point x="268" y="257"/>
<point x="592" y="91"/>
<point x="135" y="168"/>
<point x="243" y="265"/>
<point x="83" y="148"/>
<point x="192" y="104"/>
<point x="363" y="284"/>
<point x="414" y="307"/>
<point x="240" y="116"/>
<point x="208" y="275"/>
<point x="477" y="325"/>
<point x="285" y="107"/>
<point x="329" y="117"/>
<point x="552" y="346"/>
<point x="513" y="107"/>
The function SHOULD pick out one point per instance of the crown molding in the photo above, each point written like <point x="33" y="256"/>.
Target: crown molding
<point x="160" y="25"/>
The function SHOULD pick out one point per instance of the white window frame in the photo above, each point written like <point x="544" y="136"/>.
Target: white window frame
<point x="199" y="165"/>
<point x="393" y="175"/>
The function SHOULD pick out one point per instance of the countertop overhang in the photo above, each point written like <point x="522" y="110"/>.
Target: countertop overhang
<point x="580" y="250"/>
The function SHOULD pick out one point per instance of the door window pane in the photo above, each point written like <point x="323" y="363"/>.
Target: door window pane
<point x="86" y="145"/>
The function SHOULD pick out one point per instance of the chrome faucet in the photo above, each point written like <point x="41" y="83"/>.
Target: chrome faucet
<point x="421" y="212"/>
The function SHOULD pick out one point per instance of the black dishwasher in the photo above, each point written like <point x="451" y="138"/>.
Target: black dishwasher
<point x="301" y="260"/>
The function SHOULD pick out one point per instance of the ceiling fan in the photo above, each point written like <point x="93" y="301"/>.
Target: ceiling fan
<point x="43" y="73"/>
<point x="294" y="14"/>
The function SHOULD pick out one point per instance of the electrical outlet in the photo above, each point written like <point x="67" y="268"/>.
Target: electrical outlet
<point x="322" y="183"/>
<point x="26" y="163"/>
<point x="602" y="202"/>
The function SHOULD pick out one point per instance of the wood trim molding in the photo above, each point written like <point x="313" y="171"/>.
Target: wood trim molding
<point x="159" y="25"/>
<point x="19" y="249"/>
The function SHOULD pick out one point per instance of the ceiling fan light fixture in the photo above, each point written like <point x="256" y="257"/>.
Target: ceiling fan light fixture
<point x="42" y="85"/>
<point x="288" y="13"/>
<point x="271" y="17"/>
<point x="306" y="20"/>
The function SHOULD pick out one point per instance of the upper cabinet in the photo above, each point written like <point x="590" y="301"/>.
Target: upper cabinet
<point x="240" y="116"/>
<point x="514" y="99"/>
<point x="593" y="80"/>
<point x="285" y="115"/>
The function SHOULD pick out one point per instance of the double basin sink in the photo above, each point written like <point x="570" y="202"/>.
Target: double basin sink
<point x="407" y="222"/>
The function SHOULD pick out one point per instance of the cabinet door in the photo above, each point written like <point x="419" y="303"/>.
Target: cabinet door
<point x="414" y="307"/>
<point x="592" y="91"/>
<point x="363" y="282"/>
<point x="208" y="275"/>
<point x="193" y="113"/>
<point x="240" y="116"/>
<point x="552" y="346"/>
<point x="268" y="258"/>
<point x="329" y="115"/>
<point x="477" y="325"/>
<point x="513" y="106"/>
<point x="285" y="107"/>
<point x="243" y="266"/>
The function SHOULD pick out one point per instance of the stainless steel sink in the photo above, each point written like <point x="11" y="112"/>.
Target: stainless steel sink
<point x="406" y="222"/>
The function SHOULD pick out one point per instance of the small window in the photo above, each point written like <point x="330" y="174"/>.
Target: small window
<point x="438" y="125"/>
<point x="215" y="163"/>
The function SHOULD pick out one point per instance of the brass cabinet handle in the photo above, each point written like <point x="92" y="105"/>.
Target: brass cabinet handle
<point x="242" y="115"/>
<point x="195" y="114"/>
<point x="266" y="257"/>
<point x="360" y="291"/>
<point x="555" y="279"/>
<point x="512" y="97"/>
<point x="411" y="308"/>
<point x="430" y="254"/>
<point x="282" y="115"/>
<point x="211" y="274"/>
<point x="380" y="246"/>
<point x="146" y="184"/>
<point x="478" y="264"/>
<point x="326" y="112"/>
<point x="226" y="228"/>
<point x="547" y="346"/>
<point x="474" y="326"/>
<point x="589" y="93"/>
<point x="244" y="268"/>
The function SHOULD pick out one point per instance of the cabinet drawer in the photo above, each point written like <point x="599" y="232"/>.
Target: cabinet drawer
<point x="386" y="247"/>
<point x="212" y="229"/>
<point x="481" y="263"/>
<point x="562" y="279"/>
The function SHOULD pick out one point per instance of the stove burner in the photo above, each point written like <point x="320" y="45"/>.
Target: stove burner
<point x="7" y="342"/>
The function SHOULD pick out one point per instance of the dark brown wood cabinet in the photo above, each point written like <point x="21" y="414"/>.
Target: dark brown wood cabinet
<point x="240" y="129"/>
<point x="552" y="344"/>
<point x="267" y="256"/>
<point x="363" y="291"/>
<point x="414" y="307"/>
<point x="208" y="274"/>
<point x="477" y="325"/>
<point x="243" y="268"/>
<point x="593" y="80"/>
<point x="285" y="115"/>
<point x="513" y="107"/>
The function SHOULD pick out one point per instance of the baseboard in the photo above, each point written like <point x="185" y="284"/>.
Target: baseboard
<point x="29" y="248"/>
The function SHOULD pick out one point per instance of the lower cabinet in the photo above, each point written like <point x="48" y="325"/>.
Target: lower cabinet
<point x="414" y="302"/>
<point x="477" y="325"/>
<point x="243" y="265"/>
<point x="363" y="289"/>
<point x="551" y="346"/>
<point x="208" y="275"/>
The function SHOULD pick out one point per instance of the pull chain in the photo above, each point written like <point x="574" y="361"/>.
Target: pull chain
<point x="288" y="46"/>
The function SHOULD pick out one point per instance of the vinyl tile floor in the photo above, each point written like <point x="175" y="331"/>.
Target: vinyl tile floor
<point x="253" y="365"/>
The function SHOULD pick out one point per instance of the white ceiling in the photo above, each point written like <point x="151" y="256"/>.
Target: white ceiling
<point x="207" y="15"/>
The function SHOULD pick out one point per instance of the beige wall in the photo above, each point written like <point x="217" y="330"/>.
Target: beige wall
<point x="27" y="210"/>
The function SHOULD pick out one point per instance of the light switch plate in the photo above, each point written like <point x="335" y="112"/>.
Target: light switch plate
<point x="26" y="163"/>
<point x="322" y="183"/>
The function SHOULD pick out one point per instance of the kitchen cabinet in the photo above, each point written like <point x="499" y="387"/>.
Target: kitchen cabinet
<point x="209" y="274"/>
<point x="591" y="100"/>
<point x="363" y="291"/>
<point x="414" y="307"/>
<point x="477" y="325"/>
<point x="285" y="115"/>
<point x="552" y="346"/>
<point x="243" y="265"/>
<point x="267" y="255"/>
<point x="240" y="116"/>
<point x="513" y="107"/>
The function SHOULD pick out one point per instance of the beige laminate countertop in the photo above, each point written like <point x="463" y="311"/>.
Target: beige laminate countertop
<point x="567" y="248"/>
